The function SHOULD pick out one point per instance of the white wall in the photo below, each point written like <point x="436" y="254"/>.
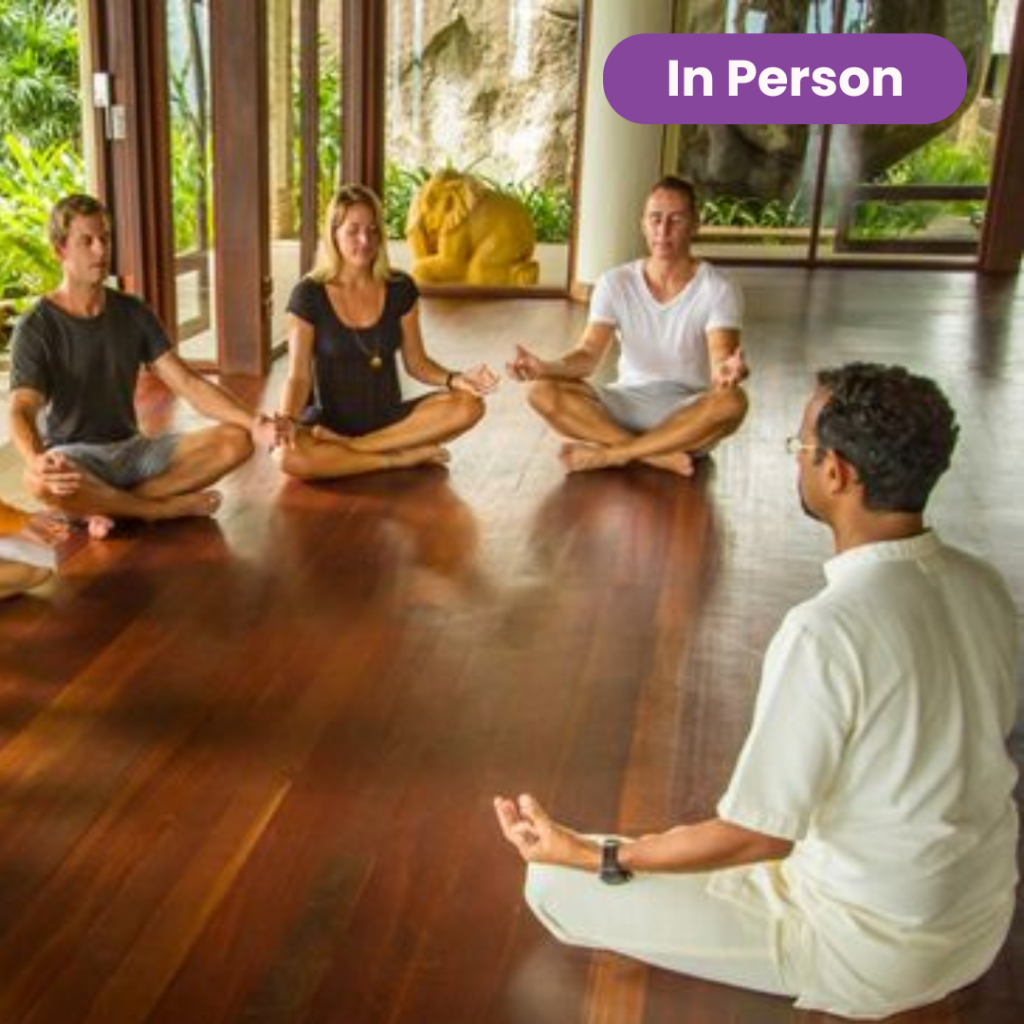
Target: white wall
<point x="620" y="160"/>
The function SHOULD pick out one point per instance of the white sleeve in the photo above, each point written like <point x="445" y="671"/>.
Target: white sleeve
<point x="726" y="306"/>
<point x="602" y="303"/>
<point x="796" y="742"/>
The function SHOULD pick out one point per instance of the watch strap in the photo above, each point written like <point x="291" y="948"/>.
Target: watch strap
<point x="612" y="872"/>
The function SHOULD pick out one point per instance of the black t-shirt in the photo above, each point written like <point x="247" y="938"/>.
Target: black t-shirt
<point x="87" y="367"/>
<point x="350" y="396"/>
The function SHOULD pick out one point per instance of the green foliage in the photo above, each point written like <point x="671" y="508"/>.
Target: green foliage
<point x="550" y="208"/>
<point x="31" y="181"/>
<point x="191" y="186"/>
<point x="944" y="162"/>
<point x="329" y="124"/>
<point x="732" y="212"/>
<point x="940" y="162"/>
<point x="400" y="186"/>
<point x="328" y="127"/>
<point x="39" y="90"/>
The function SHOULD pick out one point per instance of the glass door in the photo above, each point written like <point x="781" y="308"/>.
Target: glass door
<point x="303" y="137"/>
<point x="191" y="138"/>
<point x="842" y="192"/>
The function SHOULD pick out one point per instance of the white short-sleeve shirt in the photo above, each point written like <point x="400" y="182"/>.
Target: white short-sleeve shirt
<point x="879" y="746"/>
<point x="666" y="341"/>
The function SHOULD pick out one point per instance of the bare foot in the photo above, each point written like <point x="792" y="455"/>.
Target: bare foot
<point x="199" y="503"/>
<point x="680" y="463"/>
<point x="579" y="457"/>
<point x="99" y="527"/>
<point x="421" y="455"/>
<point x="323" y="434"/>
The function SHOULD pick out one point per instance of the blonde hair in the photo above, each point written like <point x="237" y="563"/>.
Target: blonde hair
<point x="328" y="259"/>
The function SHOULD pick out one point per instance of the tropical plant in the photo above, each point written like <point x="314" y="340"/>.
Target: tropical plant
<point x="190" y="158"/>
<point x="31" y="181"/>
<point x="550" y="207"/>
<point x="400" y="187"/>
<point x="329" y="124"/>
<point x="749" y="212"/>
<point x="941" y="162"/>
<point x="39" y="90"/>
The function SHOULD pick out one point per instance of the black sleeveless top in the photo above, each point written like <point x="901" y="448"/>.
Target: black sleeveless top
<point x="355" y="376"/>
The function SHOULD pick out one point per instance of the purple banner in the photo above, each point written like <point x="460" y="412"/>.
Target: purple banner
<point x="674" y="78"/>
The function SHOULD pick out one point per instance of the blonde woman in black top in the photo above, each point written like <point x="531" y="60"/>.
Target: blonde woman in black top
<point x="349" y="319"/>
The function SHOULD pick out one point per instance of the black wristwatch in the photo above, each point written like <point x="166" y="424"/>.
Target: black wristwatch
<point x="612" y="872"/>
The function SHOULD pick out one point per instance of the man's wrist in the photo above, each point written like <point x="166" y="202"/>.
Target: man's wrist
<point x="612" y="870"/>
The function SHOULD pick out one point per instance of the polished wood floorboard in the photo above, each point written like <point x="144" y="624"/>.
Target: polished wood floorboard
<point x="246" y="764"/>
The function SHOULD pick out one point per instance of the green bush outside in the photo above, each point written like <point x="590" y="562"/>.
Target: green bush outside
<point x="40" y="157"/>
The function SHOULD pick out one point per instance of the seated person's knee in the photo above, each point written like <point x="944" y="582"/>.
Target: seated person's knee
<point x="236" y="444"/>
<point x="293" y="462"/>
<point x="732" y="404"/>
<point x="470" y="408"/>
<point x="543" y="396"/>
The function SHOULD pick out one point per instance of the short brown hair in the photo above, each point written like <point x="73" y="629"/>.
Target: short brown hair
<point x="681" y="186"/>
<point x="67" y="209"/>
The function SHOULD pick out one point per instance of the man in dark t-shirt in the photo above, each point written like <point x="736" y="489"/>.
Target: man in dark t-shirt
<point x="76" y="359"/>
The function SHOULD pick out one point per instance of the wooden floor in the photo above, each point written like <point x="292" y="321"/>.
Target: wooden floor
<point x="246" y="765"/>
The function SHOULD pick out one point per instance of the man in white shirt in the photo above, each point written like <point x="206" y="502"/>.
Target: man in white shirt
<point x="678" y="322"/>
<point x="864" y="855"/>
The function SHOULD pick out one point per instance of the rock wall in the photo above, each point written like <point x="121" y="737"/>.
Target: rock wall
<point x="768" y="161"/>
<point x="491" y="85"/>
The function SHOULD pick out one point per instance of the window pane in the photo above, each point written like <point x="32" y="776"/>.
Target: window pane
<point x="188" y="68"/>
<point x="756" y="182"/>
<point x="284" y="135"/>
<point x="919" y="190"/>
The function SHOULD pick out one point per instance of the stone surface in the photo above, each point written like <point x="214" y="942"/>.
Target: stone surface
<point x="772" y="161"/>
<point x="487" y="85"/>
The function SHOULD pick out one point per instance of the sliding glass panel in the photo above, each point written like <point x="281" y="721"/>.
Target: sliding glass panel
<point x="188" y="69"/>
<point x="329" y="127"/>
<point x="756" y="182"/>
<point x="488" y="90"/>
<point x="284" y="139"/>
<point x="915" y="191"/>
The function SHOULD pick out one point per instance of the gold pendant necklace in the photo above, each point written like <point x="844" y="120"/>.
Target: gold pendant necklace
<point x="373" y="356"/>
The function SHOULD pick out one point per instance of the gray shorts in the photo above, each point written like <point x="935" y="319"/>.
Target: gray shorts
<point x="642" y="407"/>
<point x="123" y="464"/>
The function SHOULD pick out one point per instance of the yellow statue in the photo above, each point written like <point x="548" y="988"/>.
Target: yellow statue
<point x="461" y="231"/>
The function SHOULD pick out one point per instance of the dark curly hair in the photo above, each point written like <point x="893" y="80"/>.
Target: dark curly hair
<point x="896" y="429"/>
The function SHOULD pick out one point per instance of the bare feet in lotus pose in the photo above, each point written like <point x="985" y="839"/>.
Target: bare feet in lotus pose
<point x="581" y="456"/>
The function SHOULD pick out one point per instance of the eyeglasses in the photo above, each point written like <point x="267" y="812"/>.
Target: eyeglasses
<point x="794" y="446"/>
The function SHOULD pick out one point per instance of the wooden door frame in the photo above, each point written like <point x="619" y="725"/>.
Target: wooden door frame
<point x="243" y="290"/>
<point x="129" y="43"/>
<point x="1002" y="236"/>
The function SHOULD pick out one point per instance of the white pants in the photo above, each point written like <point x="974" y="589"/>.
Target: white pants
<point x="671" y="921"/>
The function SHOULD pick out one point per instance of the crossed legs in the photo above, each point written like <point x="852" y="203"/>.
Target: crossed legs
<point x="598" y="442"/>
<point x="415" y="440"/>
<point x="199" y="459"/>
<point x="671" y="921"/>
